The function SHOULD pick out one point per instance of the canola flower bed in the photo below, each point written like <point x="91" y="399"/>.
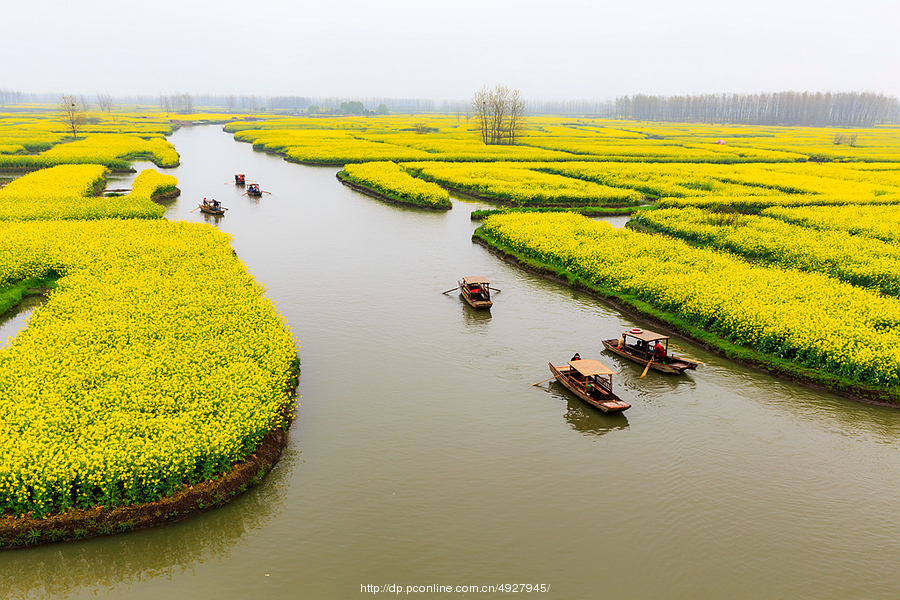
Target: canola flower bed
<point x="718" y="167"/>
<point x="663" y="151"/>
<point x="809" y="320"/>
<point x="749" y="187"/>
<point x="391" y="181"/>
<point x="859" y="260"/>
<point x="519" y="185"/>
<point x="111" y="150"/>
<point x="875" y="221"/>
<point x="68" y="192"/>
<point x="151" y="366"/>
<point x="326" y="148"/>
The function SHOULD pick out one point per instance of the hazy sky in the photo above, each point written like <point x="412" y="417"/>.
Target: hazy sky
<point x="560" y="50"/>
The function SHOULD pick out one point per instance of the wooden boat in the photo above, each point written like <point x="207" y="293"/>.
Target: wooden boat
<point x="240" y="179"/>
<point x="637" y="345"/>
<point x="211" y="207"/>
<point x="253" y="190"/>
<point x="476" y="291"/>
<point x="591" y="381"/>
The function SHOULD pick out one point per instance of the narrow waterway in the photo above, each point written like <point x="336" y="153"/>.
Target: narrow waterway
<point x="422" y="455"/>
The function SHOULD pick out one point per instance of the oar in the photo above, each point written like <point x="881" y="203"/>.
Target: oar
<point x="493" y="289"/>
<point x="548" y="379"/>
<point x="450" y="290"/>
<point x="647" y="368"/>
<point x="198" y="208"/>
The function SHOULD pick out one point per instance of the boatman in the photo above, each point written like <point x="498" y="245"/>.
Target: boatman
<point x="576" y="357"/>
<point x="659" y="353"/>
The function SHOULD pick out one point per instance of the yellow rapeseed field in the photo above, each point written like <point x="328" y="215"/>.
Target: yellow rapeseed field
<point x="395" y="183"/>
<point x="157" y="361"/>
<point x="809" y="318"/>
<point x="68" y="192"/>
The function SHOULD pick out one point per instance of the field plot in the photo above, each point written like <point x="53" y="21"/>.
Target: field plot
<point x="740" y="167"/>
<point x="857" y="259"/>
<point x="519" y="185"/>
<point x="876" y="221"/>
<point x="69" y="192"/>
<point x="149" y="367"/>
<point x="808" y="319"/>
<point x="393" y="182"/>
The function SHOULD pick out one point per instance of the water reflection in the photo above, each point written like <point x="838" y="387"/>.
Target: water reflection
<point x="585" y="418"/>
<point x="474" y="317"/>
<point x="212" y="219"/>
<point x="14" y="320"/>
<point x="104" y="564"/>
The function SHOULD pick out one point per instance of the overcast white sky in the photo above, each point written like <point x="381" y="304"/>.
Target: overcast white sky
<point x="559" y="50"/>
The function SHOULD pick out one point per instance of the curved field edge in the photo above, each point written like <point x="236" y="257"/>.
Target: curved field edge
<point x="379" y="195"/>
<point x="191" y="500"/>
<point x="72" y="192"/>
<point x="148" y="368"/>
<point x="672" y="323"/>
<point x="114" y="151"/>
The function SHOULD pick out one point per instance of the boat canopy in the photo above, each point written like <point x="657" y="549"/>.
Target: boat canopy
<point x="647" y="336"/>
<point x="589" y="366"/>
<point x="476" y="279"/>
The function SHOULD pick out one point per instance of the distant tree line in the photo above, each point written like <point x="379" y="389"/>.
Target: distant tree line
<point x="847" y="109"/>
<point x="11" y="97"/>
<point x="596" y="108"/>
<point x="816" y="109"/>
<point x="844" y="109"/>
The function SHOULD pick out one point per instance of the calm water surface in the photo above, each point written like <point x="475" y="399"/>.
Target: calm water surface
<point x="422" y="455"/>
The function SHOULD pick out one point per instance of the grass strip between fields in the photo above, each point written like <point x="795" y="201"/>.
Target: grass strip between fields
<point x="587" y="211"/>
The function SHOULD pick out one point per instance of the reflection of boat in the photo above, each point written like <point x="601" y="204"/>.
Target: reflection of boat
<point x="637" y="345"/>
<point x="240" y="179"/>
<point x="253" y="190"/>
<point x="476" y="291"/>
<point x="212" y="207"/>
<point x="586" y="420"/>
<point x="591" y="381"/>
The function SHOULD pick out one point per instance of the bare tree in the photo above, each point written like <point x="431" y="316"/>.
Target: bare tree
<point x="187" y="102"/>
<point x="70" y="111"/>
<point x="105" y="100"/>
<point x="516" y="107"/>
<point x="499" y="113"/>
<point x="479" y="104"/>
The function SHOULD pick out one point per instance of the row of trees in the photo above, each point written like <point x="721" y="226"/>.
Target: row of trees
<point x="499" y="114"/>
<point x="178" y="103"/>
<point x="499" y="111"/>
<point x="849" y="109"/>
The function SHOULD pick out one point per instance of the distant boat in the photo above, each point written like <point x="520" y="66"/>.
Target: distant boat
<point x="240" y="179"/>
<point x="253" y="190"/>
<point x="591" y="381"/>
<point x="638" y="347"/>
<point x="212" y="207"/>
<point x="476" y="291"/>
